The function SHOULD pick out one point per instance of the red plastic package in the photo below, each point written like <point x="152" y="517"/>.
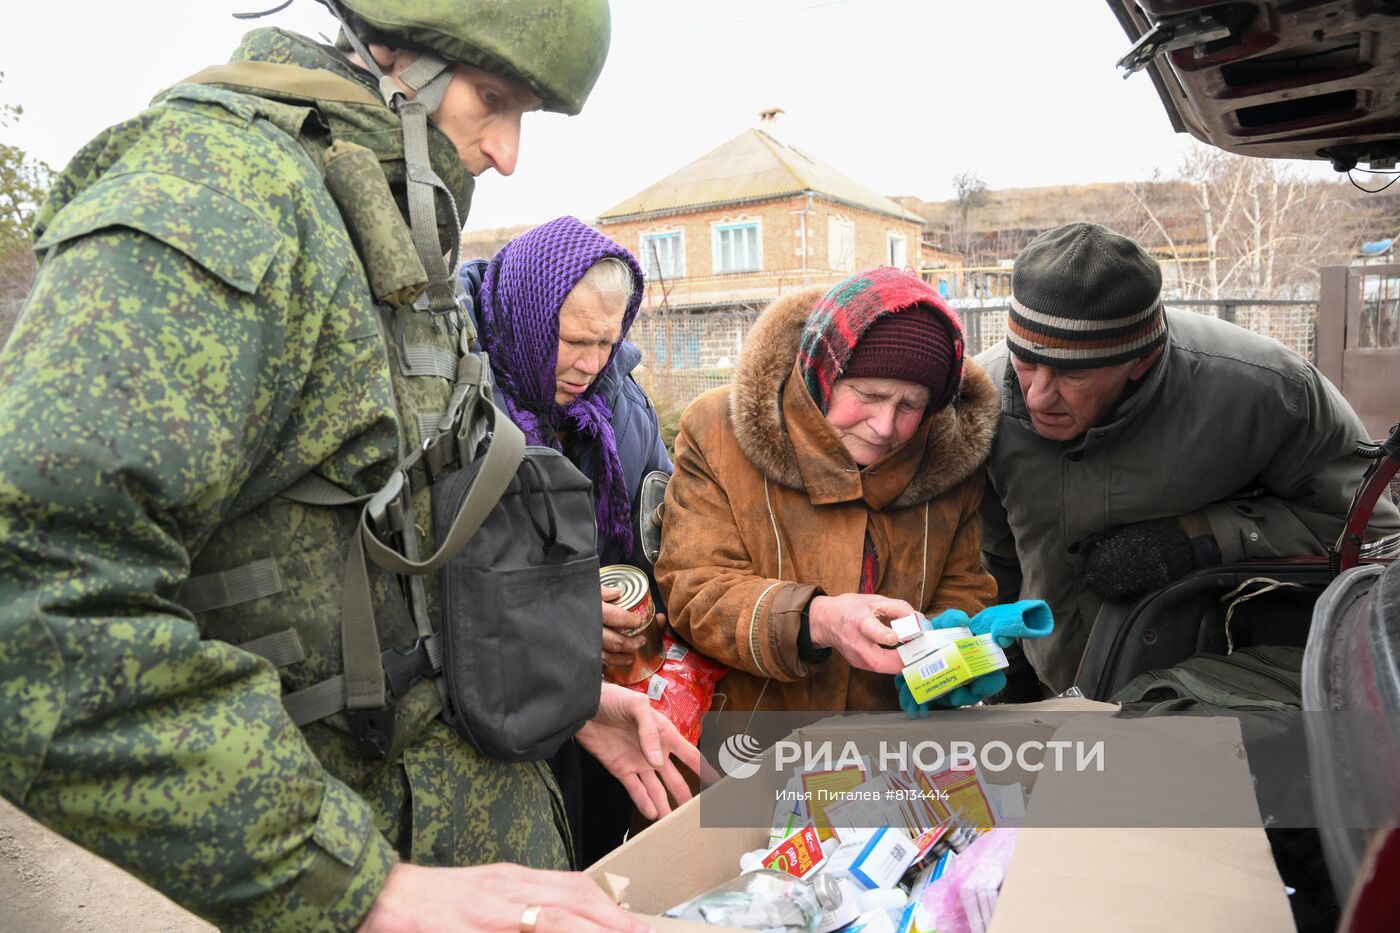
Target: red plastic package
<point x="684" y="687"/>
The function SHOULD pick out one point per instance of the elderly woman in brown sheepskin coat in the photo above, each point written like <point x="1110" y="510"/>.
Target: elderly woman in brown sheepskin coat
<point x="832" y="487"/>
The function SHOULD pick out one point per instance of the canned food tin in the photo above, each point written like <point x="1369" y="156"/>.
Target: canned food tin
<point x="636" y="599"/>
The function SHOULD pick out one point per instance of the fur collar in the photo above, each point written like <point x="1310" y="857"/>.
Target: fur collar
<point x="958" y="441"/>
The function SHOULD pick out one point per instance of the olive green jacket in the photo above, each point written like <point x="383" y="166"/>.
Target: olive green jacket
<point x="1228" y="422"/>
<point x="201" y="334"/>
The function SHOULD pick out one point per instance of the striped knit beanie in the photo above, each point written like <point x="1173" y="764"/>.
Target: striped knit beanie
<point x="841" y="319"/>
<point x="1083" y="297"/>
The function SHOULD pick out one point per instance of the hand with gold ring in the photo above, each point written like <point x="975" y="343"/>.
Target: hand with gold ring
<point x="529" y="918"/>
<point x="498" y="898"/>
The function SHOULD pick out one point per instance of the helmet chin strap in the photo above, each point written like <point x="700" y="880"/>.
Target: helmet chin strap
<point x="428" y="78"/>
<point x="258" y="14"/>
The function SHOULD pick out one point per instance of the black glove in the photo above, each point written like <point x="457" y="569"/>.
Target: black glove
<point x="1132" y="561"/>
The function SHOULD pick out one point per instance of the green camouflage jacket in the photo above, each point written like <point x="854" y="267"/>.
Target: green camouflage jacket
<point x="201" y="334"/>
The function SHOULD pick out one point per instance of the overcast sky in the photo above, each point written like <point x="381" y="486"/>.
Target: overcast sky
<point x="899" y="94"/>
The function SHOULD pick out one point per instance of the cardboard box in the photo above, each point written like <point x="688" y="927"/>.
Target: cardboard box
<point x="1104" y="873"/>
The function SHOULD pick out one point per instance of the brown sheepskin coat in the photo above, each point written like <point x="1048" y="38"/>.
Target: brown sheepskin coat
<point x="766" y="509"/>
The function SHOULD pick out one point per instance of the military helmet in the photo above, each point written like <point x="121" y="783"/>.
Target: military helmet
<point x="556" y="48"/>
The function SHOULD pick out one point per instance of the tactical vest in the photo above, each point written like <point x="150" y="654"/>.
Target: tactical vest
<point x="273" y="580"/>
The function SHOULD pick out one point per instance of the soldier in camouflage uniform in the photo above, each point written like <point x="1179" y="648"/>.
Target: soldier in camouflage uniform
<point x="209" y="325"/>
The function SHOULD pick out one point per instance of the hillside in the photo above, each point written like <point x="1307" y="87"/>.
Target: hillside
<point x="1025" y="207"/>
<point x="1007" y="219"/>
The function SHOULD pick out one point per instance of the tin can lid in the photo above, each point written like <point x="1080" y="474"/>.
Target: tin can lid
<point x="631" y="581"/>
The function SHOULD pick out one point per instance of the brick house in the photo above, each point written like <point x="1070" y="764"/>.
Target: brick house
<point x="942" y="268"/>
<point x="751" y="220"/>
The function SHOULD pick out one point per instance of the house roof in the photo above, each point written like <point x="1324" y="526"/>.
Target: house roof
<point x="752" y="166"/>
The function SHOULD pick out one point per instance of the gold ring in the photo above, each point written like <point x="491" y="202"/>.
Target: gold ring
<point x="529" y="917"/>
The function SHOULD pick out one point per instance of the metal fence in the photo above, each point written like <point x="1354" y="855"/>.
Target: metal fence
<point x="685" y="354"/>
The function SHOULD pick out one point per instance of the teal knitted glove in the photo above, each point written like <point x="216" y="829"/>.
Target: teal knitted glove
<point x="949" y="618"/>
<point x="971" y="694"/>
<point x="1029" y="618"/>
<point x="966" y="695"/>
<point x="913" y="709"/>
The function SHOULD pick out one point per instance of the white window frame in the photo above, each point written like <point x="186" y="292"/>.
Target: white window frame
<point x="678" y="259"/>
<point x="716" y="250"/>
<point x="833" y="260"/>
<point x="892" y="237"/>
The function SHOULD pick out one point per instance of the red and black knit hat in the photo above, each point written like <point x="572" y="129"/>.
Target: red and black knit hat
<point x="884" y="323"/>
<point x="914" y="345"/>
<point x="1082" y="297"/>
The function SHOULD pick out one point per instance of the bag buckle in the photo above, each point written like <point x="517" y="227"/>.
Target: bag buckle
<point x="404" y="667"/>
<point x="373" y="729"/>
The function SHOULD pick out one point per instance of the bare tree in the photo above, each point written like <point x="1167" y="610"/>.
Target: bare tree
<point x="1155" y="201"/>
<point x="971" y="193"/>
<point x="1288" y="228"/>
<point x="1240" y="227"/>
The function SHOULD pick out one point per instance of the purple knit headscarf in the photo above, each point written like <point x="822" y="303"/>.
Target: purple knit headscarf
<point x="524" y="288"/>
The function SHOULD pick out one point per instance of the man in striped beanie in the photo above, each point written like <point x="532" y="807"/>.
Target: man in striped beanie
<point x="1137" y="444"/>
<point x="1086" y="301"/>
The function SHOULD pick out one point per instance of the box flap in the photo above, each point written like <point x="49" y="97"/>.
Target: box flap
<point x="1096" y="843"/>
<point x="676" y="858"/>
<point x="1203" y="880"/>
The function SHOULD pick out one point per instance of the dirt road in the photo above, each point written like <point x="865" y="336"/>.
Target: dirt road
<point x="49" y="885"/>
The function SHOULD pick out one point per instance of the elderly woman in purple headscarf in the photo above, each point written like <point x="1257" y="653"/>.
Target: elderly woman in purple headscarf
<point x="552" y="309"/>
